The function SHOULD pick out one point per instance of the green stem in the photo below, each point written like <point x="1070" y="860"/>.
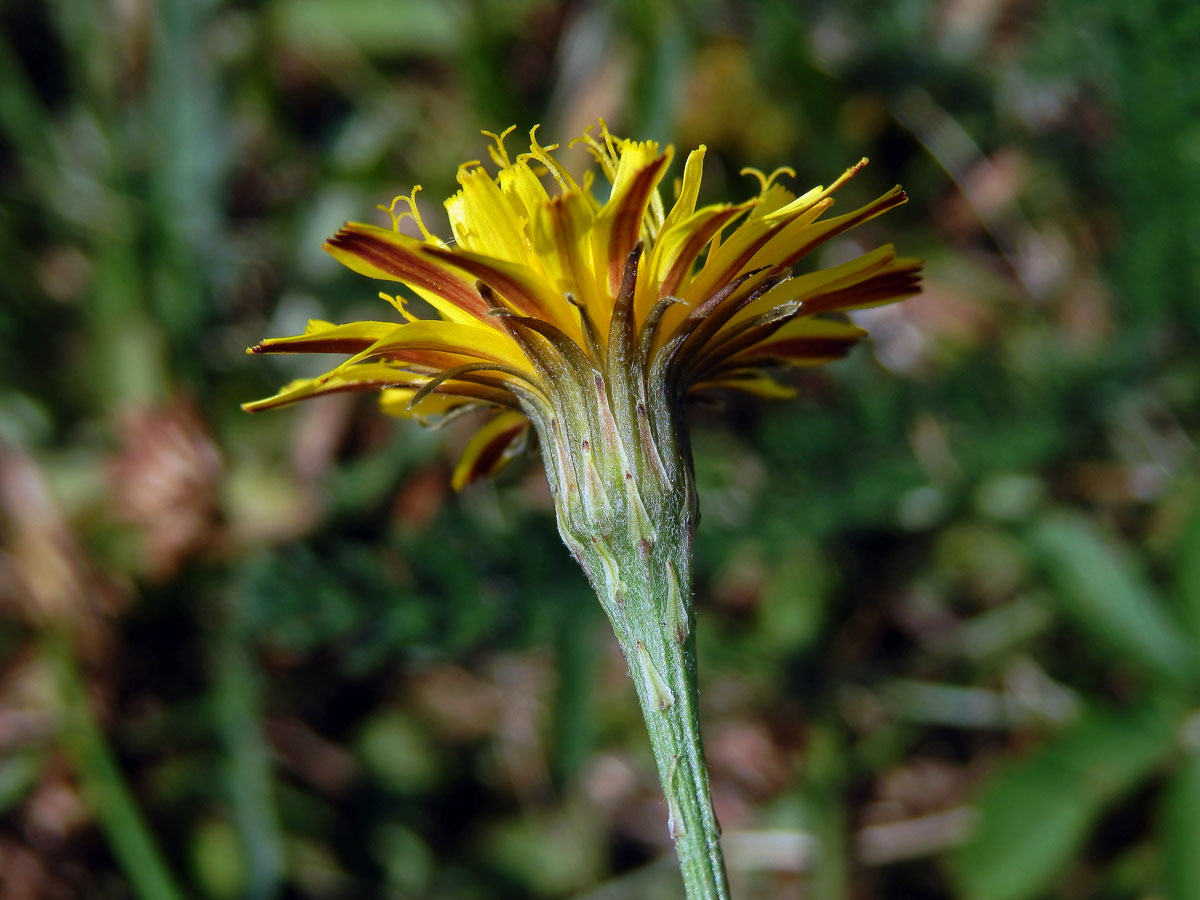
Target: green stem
<point x="649" y="605"/>
<point x="620" y="470"/>
<point x="102" y="784"/>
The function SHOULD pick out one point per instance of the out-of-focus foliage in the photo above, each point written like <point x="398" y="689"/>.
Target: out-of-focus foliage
<point x="949" y="597"/>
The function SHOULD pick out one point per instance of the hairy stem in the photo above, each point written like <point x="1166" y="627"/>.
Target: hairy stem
<point x="648" y="599"/>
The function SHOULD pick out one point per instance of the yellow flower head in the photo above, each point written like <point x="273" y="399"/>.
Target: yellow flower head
<point x="593" y="320"/>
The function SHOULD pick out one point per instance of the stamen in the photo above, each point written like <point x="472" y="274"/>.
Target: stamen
<point x="782" y="170"/>
<point x="847" y="175"/>
<point x="413" y="212"/>
<point x="467" y="168"/>
<point x="390" y="209"/>
<point x="604" y="153"/>
<point x="542" y="154"/>
<point x="655" y="215"/>
<point x="498" y="153"/>
<point x="585" y="138"/>
<point x="756" y="173"/>
<point x="609" y="141"/>
<point x="766" y="182"/>
<point x="398" y="303"/>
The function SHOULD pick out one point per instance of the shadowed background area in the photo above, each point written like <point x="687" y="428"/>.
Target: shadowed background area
<point x="948" y="597"/>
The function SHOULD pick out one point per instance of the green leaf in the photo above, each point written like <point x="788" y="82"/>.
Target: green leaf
<point x="1035" y="814"/>
<point x="795" y="599"/>
<point x="371" y="26"/>
<point x="1181" y="832"/>
<point x="218" y="863"/>
<point x="1098" y="587"/>
<point x="19" y="773"/>
<point x="23" y="118"/>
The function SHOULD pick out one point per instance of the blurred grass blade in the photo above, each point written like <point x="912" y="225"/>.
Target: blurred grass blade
<point x="19" y="774"/>
<point x="236" y="705"/>
<point x="1181" y="832"/>
<point x="1034" y="815"/>
<point x="23" y="118"/>
<point x="103" y="787"/>
<point x="660" y="67"/>
<point x="574" y="707"/>
<point x="371" y="26"/>
<point x="658" y="879"/>
<point x="190" y="152"/>
<point x="1187" y="571"/>
<point x="825" y="817"/>
<point x="1098" y="588"/>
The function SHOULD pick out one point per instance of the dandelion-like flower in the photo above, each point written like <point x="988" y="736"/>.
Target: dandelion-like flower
<point x="591" y="323"/>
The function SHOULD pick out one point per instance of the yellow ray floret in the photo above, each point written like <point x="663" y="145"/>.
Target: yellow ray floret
<point x="587" y="319"/>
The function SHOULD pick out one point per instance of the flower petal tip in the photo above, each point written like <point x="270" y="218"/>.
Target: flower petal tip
<point x="340" y="238"/>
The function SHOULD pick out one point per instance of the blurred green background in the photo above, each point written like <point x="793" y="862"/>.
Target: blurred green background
<point x="949" y="597"/>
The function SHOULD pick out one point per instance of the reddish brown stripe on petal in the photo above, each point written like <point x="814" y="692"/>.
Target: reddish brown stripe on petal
<point x="705" y="321"/>
<point x="895" y="197"/>
<point x="485" y="462"/>
<point x="890" y="286"/>
<point x="566" y="238"/>
<point x="728" y="343"/>
<point x="499" y="281"/>
<point x="732" y="270"/>
<point x="349" y="346"/>
<point x="306" y="390"/>
<point x="695" y="243"/>
<point x="627" y="225"/>
<point x="803" y="348"/>
<point x="410" y="268"/>
<point x="436" y="360"/>
<point x="375" y="384"/>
